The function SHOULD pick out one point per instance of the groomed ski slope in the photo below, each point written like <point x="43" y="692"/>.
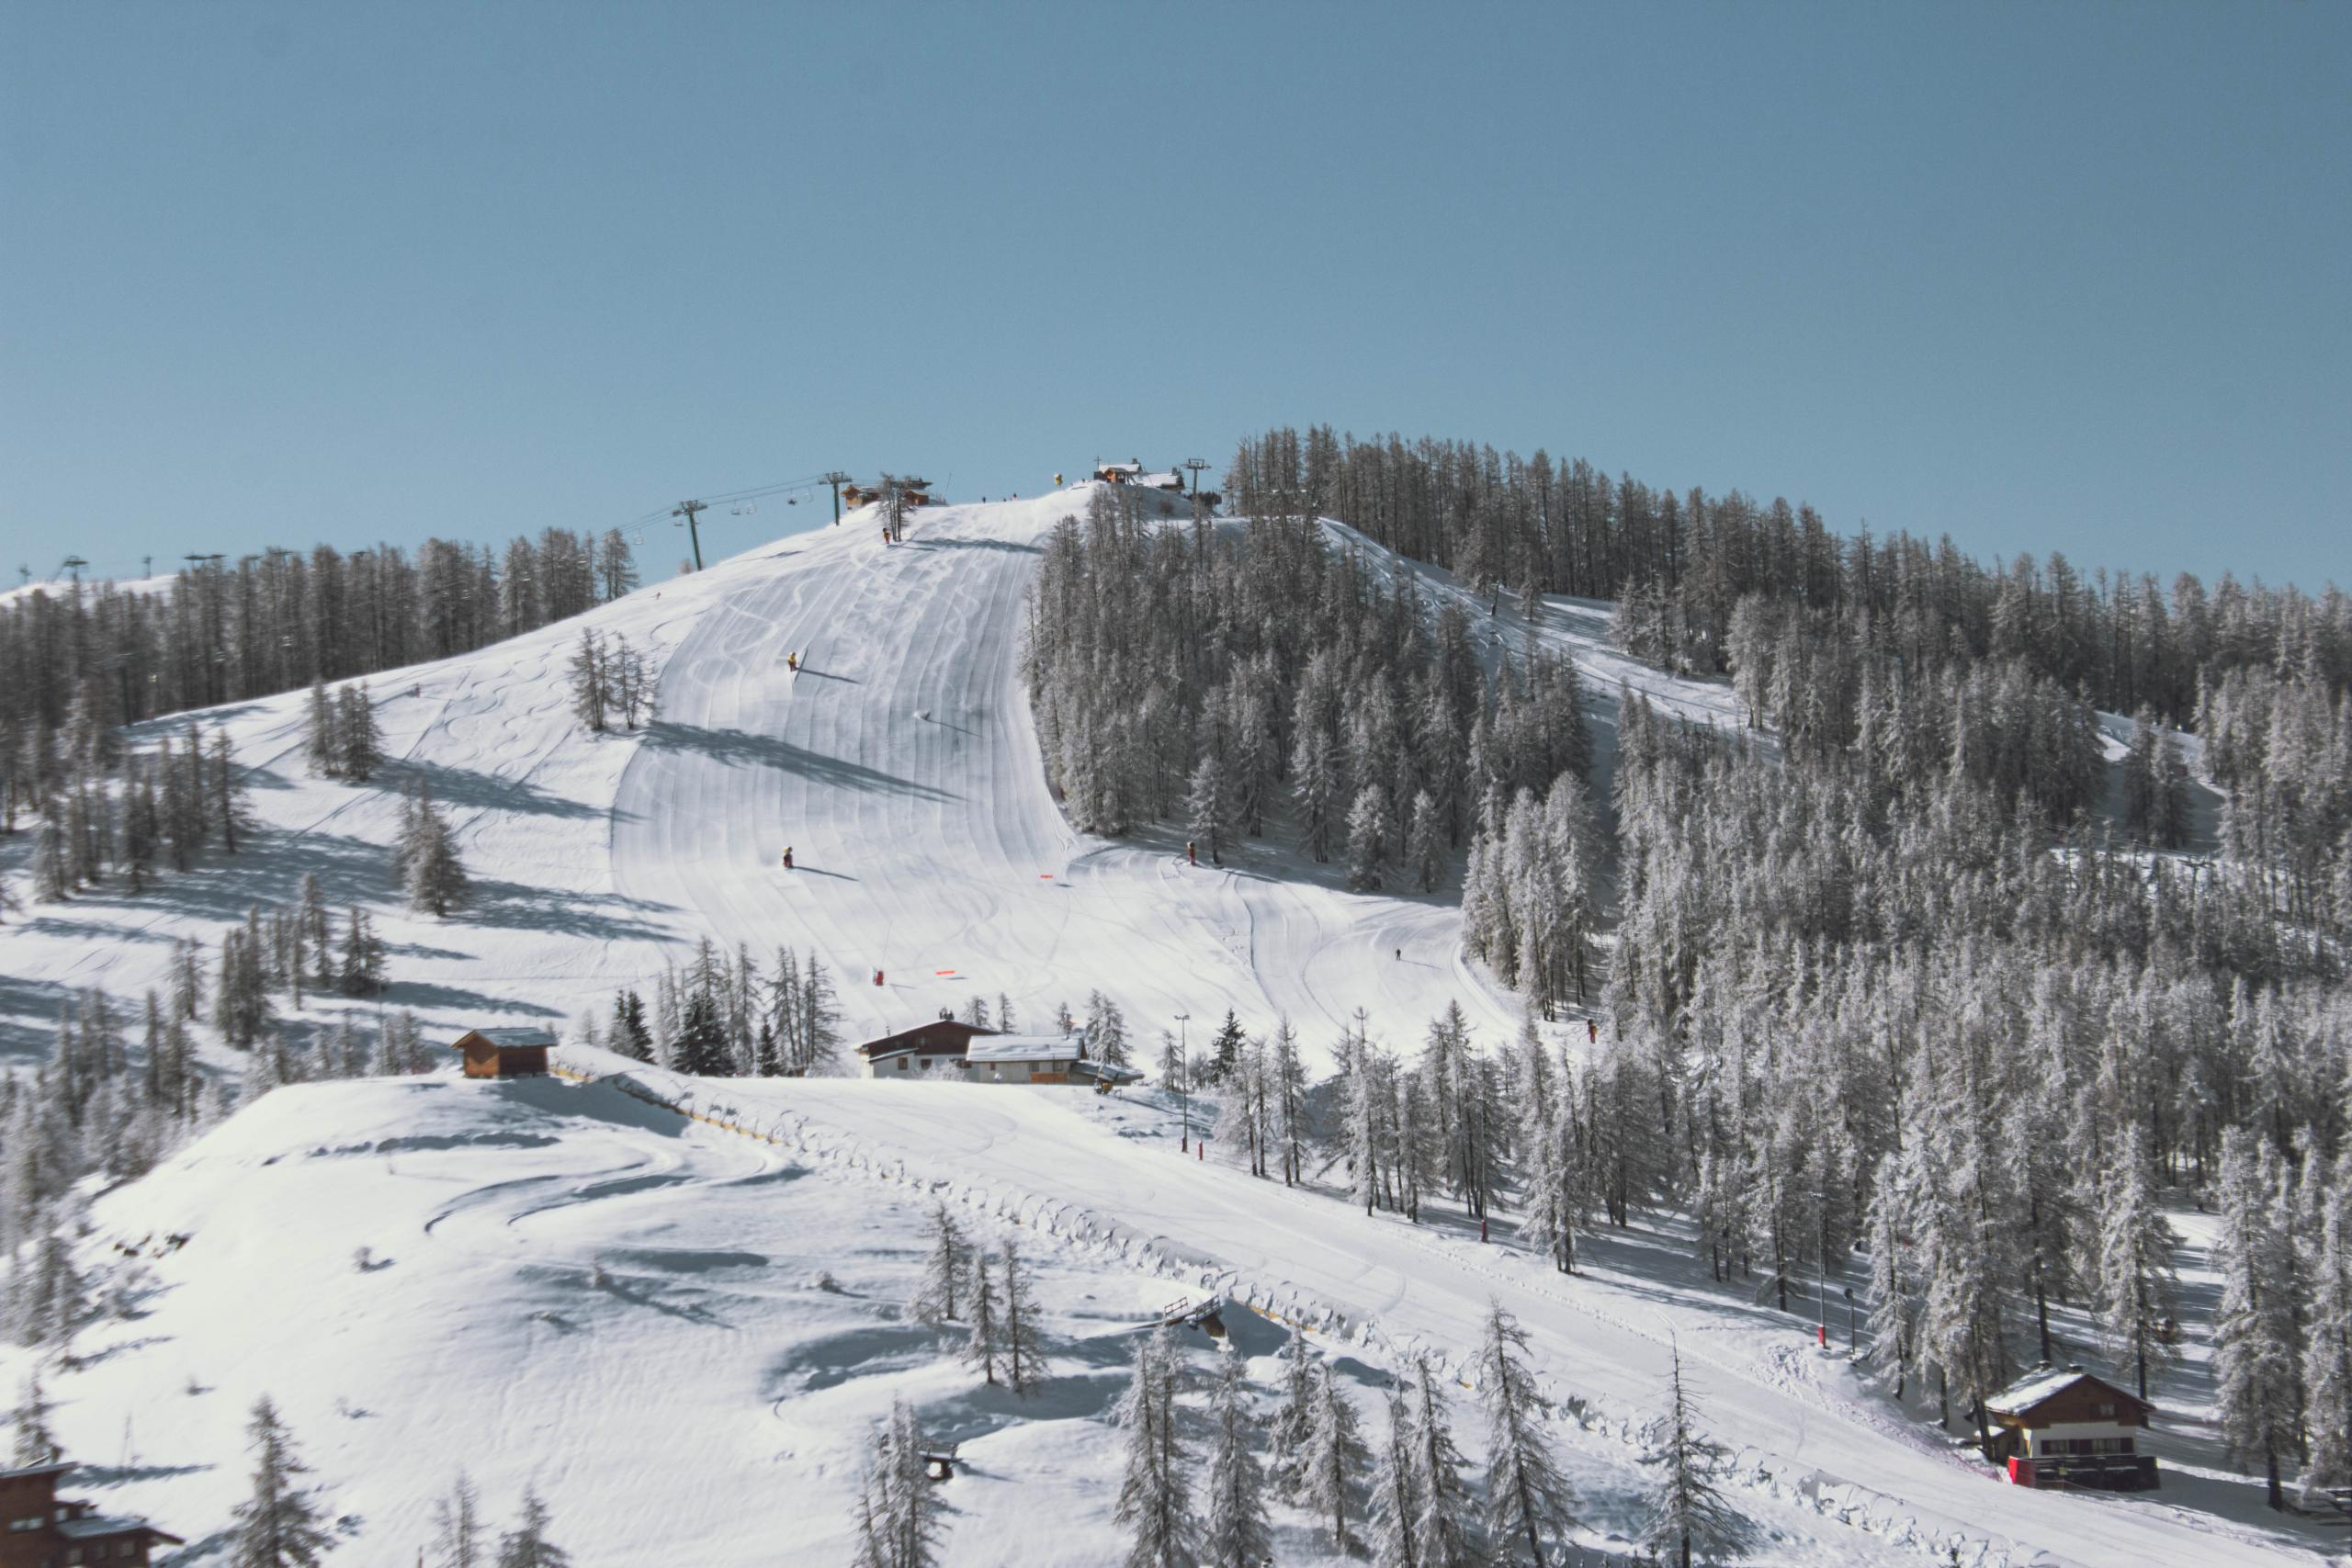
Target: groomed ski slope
<point x="900" y="764"/>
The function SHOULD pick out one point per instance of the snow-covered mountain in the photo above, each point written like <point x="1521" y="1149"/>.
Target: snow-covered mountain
<point x="677" y="1329"/>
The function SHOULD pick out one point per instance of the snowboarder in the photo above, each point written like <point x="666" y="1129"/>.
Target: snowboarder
<point x="787" y="857"/>
<point x="877" y="977"/>
<point x="1400" y="955"/>
<point x="792" y="663"/>
<point x="1591" y="1032"/>
<point x="1190" y="858"/>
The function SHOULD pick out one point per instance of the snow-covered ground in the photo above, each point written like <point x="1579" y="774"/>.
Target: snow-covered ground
<point x="677" y="1334"/>
<point x="900" y="764"/>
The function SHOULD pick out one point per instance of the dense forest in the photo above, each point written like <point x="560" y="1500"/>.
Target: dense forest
<point x="1910" y="999"/>
<point x="98" y="657"/>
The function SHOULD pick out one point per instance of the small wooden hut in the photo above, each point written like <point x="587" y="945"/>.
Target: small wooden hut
<point x="504" y="1052"/>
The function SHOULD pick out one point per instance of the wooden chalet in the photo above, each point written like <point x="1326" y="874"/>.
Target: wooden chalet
<point x="504" y="1052"/>
<point x="945" y="1048"/>
<point x="1124" y="473"/>
<point x="2061" y="1426"/>
<point x="41" y="1529"/>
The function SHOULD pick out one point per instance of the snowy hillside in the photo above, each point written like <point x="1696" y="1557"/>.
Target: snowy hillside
<point x="899" y="763"/>
<point x="675" y="1333"/>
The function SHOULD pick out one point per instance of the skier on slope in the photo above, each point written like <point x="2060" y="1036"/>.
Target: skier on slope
<point x="787" y="857"/>
<point x="1190" y="858"/>
<point x="792" y="663"/>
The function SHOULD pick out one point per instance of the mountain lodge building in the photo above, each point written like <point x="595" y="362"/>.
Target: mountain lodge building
<point x="2061" y="1426"/>
<point x="947" y="1048"/>
<point x="41" y="1529"/>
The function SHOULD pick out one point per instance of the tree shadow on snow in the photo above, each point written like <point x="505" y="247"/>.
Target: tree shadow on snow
<point x="740" y="748"/>
<point x="468" y="789"/>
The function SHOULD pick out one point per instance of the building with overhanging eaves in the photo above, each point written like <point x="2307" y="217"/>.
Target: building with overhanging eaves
<point x="504" y="1052"/>
<point x="948" y="1049"/>
<point x="2061" y="1426"/>
<point x="41" y="1529"/>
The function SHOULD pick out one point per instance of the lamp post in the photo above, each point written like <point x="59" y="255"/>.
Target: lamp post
<point x="1184" y="1076"/>
<point x="1853" y="1347"/>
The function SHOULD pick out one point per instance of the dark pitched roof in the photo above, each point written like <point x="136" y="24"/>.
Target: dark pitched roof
<point x="101" y="1525"/>
<point x="24" y="1472"/>
<point x="511" y="1038"/>
<point x="904" y="1039"/>
<point x="2045" y="1384"/>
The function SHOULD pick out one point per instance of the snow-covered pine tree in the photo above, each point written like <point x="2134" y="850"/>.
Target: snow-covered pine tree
<point x="360" y="744"/>
<point x="1106" y="1030"/>
<point x="1527" y="1495"/>
<point x="1223" y="1055"/>
<point x="1441" y="1533"/>
<point x="425" y="857"/>
<point x="1368" y="846"/>
<point x="587" y="672"/>
<point x="2254" y="1328"/>
<point x="36" y="1443"/>
<point x="628" y="1033"/>
<point x="2327" y="1352"/>
<point x="457" y="1525"/>
<point x="319" y="748"/>
<point x="897" y="1522"/>
<point x="526" y="1545"/>
<point x="1334" y="1457"/>
<point x="1425" y="842"/>
<point x="1155" y="1493"/>
<point x="701" y="1047"/>
<point x="1287" y="1442"/>
<point x="939" y="1299"/>
<point x="1395" y="1492"/>
<point x="2136" y="1289"/>
<point x="1236" y="1532"/>
<point x="984" y="1347"/>
<point x="282" y="1523"/>
<point x="1026" y="1368"/>
<point x="1208" y="805"/>
<point x="1688" y="1519"/>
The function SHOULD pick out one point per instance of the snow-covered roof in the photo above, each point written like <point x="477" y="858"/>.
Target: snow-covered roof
<point x="985" y="1049"/>
<point x="1167" y="478"/>
<point x="90" y="1525"/>
<point x="514" y="1037"/>
<point x="23" y="1471"/>
<point x="2039" y="1386"/>
<point x="1133" y="468"/>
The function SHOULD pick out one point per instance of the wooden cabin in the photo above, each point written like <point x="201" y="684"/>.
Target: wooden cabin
<point x="1124" y="473"/>
<point x="2061" y="1426"/>
<point x="41" y="1529"/>
<point x="504" y="1052"/>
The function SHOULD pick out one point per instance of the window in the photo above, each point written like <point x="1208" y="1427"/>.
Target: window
<point x="33" y="1523"/>
<point x="2106" y="1410"/>
<point x="903" y="1064"/>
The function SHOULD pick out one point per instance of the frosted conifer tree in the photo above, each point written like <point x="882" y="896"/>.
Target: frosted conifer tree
<point x="1106" y="1030"/>
<point x="425" y="857"/>
<point x="1425" y="842"/>
<point x="359" y="744"/>
<point x="1527" y="1497"/>
<point x="1395" y="1494"/>
<point x="1286" y="1443"/>
<point x="280" y="1524"/>
<point x="2136" y="1302"/>
<point x="1334" y="1457"/>
<point x="1442" y="1532"/>
<point x="2253" y="1329"/>
<point x="526" y="1545"/>
<point x="1236" y="1534"/>
<point x="1688" y="1519"/>
<point x="985" y="1345"/>
<point x="1024" y="1361"/>
<point x="2327" y="1356"/>
<point x="587" y="670"/>
<point x="36" y="1443"/>
<point x="1155" y="1493"/>
<point x="897" y="1521"/>
<point x="1208" y="802"/>
<point x="319" y="747"/>
<point x="1367" y="838"/>
<point x="457" y="1525"/>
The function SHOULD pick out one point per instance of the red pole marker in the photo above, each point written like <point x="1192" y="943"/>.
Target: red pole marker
<point x="1482" y="1230"/>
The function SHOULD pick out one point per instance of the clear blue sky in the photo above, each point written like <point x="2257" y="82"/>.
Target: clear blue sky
<point x="2070" y="277"/>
